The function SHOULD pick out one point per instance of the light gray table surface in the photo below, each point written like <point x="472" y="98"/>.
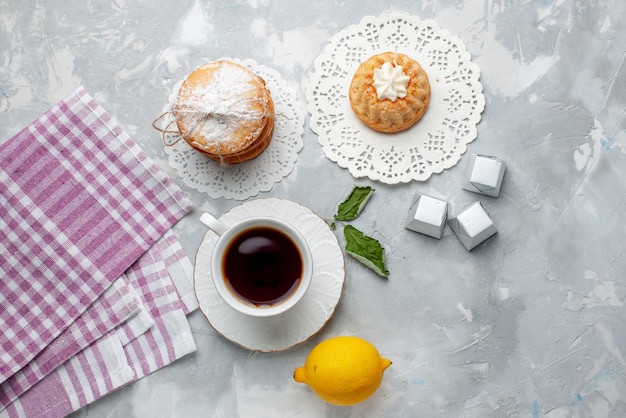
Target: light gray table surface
<point x="529" y="324"/>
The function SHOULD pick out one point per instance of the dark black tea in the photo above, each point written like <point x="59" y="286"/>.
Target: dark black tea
<point x="262" y="266"/>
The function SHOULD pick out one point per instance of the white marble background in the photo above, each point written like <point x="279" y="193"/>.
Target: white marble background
<point x="530" y="324"/>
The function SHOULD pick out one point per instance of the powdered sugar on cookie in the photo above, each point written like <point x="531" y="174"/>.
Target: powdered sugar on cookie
<point x="225" y="111"/>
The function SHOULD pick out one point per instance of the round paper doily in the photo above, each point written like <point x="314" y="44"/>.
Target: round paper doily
<point x="241" y="181"/>
<point x="433" y="144"/>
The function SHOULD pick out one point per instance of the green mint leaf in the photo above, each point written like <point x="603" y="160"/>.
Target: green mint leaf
<point x="365" y="249"/>
<point x="350" y="208"/>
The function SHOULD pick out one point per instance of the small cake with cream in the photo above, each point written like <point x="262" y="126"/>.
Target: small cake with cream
<point x="225" y="111"/>
<point x="389" y="92"/>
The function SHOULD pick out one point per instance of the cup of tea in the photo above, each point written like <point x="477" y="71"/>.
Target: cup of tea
<point x="261" y="266"/>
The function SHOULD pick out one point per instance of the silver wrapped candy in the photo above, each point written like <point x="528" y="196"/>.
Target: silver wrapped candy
<point x="484" y="175"/>
<point x="472" y="225"/>
<point x="428" y="216"/>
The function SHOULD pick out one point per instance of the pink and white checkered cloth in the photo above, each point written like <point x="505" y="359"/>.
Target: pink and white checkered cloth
<point x="112" y="362"/>
<point x="117" y="304"/>
<point x="80" y="203"/>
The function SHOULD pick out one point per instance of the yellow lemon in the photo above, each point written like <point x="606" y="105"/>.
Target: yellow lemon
<point x="343" y="370"/>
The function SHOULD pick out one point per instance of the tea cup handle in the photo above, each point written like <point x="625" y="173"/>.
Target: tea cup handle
<point x="215" y="225"/>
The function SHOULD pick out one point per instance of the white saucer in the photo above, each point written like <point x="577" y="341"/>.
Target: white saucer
<point x="300" y="322"/>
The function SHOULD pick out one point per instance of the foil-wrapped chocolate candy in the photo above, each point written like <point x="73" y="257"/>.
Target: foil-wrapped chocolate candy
<point x="472" y="225"/>
<point x="484" y="175"/>
<point x="428" y="216"/>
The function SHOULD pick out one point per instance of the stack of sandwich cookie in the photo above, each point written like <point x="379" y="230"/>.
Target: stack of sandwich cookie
<point x="225" y="111"/>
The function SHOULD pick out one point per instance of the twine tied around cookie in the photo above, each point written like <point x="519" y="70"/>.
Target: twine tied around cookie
<point x="166" y="130"/>
<point x="225" y="118"/>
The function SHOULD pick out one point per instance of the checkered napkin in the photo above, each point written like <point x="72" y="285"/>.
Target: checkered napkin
<point x="112" y="361"/>
<point x="80" y="203"/>
<point x="117" y="304"/>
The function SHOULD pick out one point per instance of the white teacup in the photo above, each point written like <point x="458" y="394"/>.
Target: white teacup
<point x="261" y="266"/>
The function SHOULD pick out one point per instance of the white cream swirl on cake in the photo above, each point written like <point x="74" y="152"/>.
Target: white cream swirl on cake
<point x="390" y="81"/>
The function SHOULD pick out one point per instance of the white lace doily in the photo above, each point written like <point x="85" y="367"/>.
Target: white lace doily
<point x="241" y="181"/>
<point x="434" y="143"/>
